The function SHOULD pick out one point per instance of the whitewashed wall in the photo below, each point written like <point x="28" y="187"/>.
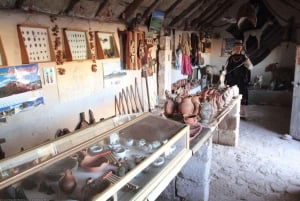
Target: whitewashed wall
<point x="61" y="110"/>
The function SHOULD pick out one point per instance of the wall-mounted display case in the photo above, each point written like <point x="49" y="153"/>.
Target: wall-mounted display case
<point x="129" y="157"/>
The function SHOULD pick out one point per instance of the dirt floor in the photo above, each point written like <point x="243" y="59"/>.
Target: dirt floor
<point x="263" y="167"/>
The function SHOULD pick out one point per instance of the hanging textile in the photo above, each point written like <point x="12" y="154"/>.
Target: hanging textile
<point x="186" y="52"/>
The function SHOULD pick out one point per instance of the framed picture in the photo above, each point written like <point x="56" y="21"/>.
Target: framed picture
<point x="227" y="44"/>
<point x="156" y="21"/>
<point x="112" y="73"/>
<point x="35" y="44"/>
<point x="106" y="45"/>
<point x="3" y="61"/>
<point x="76" y="45"/>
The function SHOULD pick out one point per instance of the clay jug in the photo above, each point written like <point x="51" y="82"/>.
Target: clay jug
<point x="186" y="106"/>
<point x="68" y="182"/>
<point x="169" y="107"/>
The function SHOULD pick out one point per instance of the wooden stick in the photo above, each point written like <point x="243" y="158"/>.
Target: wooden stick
<point x="137" y="91"/>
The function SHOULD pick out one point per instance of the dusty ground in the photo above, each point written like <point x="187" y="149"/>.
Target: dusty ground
<point x="263" y="167"/>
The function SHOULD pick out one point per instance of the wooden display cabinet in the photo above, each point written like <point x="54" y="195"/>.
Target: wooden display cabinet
<point x="164" y="153"/>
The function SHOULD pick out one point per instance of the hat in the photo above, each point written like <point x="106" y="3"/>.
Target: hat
<point x="238" y="42"/>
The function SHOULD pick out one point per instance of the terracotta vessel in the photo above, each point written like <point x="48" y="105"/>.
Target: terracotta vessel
<point x="96" y="162"/>
<point x="68" y="182"/>
<point x="186" y="106"/>
<point x="190" y="119"/>
<point x="169" y="107"/>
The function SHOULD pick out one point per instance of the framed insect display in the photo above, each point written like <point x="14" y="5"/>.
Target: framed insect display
<point x="35" y="44"/>
<point x="106" y="45"/>
<point x="76" y="45"/>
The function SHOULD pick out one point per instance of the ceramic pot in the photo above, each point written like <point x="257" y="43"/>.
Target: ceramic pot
<point x="96" y="162"/>
<point x="68" y="182"/>
<point x="169" y="107"/>
<point x="186" y="106"/>
<point x="190" y="119"/>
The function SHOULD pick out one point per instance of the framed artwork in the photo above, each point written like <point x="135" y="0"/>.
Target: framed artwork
<point x="112" y="73"/>
<point x="227" y="44"/>
<point x="35" y="44"/>
<point x="3" y="61"/>
<point x="76" y="46"/>
<point x="106" y="45"/>
<point x="156" y="21"/>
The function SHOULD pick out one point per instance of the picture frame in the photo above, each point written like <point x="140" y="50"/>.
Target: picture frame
<point x="106" y="46"/>
<point x="35" y="44"/>
<point x="226" y="48"/>
<point x="76" y="45"/>
<point x="3" y="61"/>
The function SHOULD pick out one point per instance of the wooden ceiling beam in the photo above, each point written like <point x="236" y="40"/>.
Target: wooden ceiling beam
<point x="291" y="4"/>
<point x="174" y="5"/>
<point x="192" y="8"/>
<point x="216" y="14"/>
<point x="71" y="5"/>
<point x="194" y="22"/>
<point x="151" y="8"/>
<point x="130" y="10"/>
<point x="101" y="8"/>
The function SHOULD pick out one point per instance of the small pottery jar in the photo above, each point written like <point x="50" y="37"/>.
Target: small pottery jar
<point x="186" y="106"/>
<point x="169" y="107"/>
<point x="68" y="182"/>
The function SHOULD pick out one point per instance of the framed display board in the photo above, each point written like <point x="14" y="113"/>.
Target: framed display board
<point x="3" y="61"/>
<point x="106" y="45"/>
<point x="76" y="45"/>
<point x="35" y="44"/>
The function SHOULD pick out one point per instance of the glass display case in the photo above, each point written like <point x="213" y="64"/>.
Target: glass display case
<point x="129" y="157"/>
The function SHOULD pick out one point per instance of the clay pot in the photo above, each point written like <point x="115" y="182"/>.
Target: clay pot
<point x="195" y="131"/>
<point x="94" y="163"/>
<point x="186" y="106"/>
<point x="68" y="182"/>
<point x="169" y="107"/>
<point x="190" y="119"/>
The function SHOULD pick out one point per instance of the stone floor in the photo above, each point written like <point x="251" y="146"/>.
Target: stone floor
<point x="263" y="167"/>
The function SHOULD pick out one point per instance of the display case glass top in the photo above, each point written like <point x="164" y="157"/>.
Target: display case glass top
<point x="123" y="157"/>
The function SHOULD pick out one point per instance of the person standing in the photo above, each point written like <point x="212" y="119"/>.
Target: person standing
<point x="238" y="73"/>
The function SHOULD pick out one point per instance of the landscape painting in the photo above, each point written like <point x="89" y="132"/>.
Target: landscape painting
<point x="112" y="73"/>
<point x="20" y="89"/>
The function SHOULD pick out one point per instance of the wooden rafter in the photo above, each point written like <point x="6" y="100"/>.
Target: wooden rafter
<point x="130" y="10"/>
<point x="151" y="8"/>
<point x="214" y="15"/>
<point x="174" y="5"/>
<point x="71" y="5"/>
<point x="292" y="4"/>
<point x="192" y="8"/>
<point x="101" y="8"/>
<point x="195" y="21"/>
